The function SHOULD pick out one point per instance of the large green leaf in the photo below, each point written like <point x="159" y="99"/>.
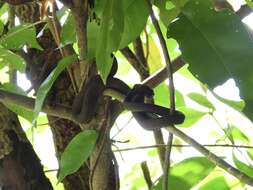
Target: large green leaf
<point x="135" y="18"/>
<point x="92" y="31"/>
<point x="110" y="34"/>
<point x="19" y="36"/>
<point x="188" y="173"/>
<point x="49" y="81"/>
<point x="8" y="58"/>
<point x="77" y="152"/>
<point x="121" y="23"/>
<point x="217" y="46"/>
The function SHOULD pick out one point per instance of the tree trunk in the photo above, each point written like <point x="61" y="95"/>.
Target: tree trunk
<point x="20" y="168"/>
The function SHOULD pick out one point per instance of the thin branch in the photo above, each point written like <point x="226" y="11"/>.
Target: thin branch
<point x="165" y="54"/>
<point x="135" y="62"/>
<point x="184" y="146"/>
<point x="138" y="48"/>
<point x="167" y="163"/>
<point x="147" y="44"/>
<point x="146" y="174"/>
<point x="172" y="92"/>
<point x="159" y="76"/>
<point x="142" y="69"/>
<point x="212" y="157"/>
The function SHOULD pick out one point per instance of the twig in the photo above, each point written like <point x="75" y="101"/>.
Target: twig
<point x="172" y="92"/>
<point x="138" y="48"/>
<point x="55" y="29"/>
<point x="167" y="163"/>
<point x="166" y="56"/>
<point x="146" y="174"/>
<point x="147" y="44"/>
<point x="126" y="124"/>
<point x="135" y="62"/>
<point x="212" y="157"/>
<point x="183" y="146"/>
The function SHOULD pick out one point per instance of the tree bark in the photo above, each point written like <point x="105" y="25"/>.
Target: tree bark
<point x="20" y="167"/>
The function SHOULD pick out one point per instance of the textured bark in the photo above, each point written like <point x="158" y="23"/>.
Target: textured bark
<point x="20" y="168"/>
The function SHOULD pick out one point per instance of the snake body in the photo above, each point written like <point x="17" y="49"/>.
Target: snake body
<point x="149" y="116"/>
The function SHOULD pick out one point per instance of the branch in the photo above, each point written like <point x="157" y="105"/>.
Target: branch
<point x="244" y="11"/>
<point x="159" y="76"/>
<point x="135" y="62"/>
<point x="138" y="48"/>
<point x="146" y="174"/>
<point x="183" y="146"/>
<point x="212" y="157"/>
<point x="166" y="165"/>
<point x="29" y="103"/>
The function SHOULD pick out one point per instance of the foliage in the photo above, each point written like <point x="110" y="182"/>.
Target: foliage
<point x="216" y="47"/>
<point x="81" y="147"/>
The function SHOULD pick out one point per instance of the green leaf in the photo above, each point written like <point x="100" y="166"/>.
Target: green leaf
<point x="49" y="81"/>
<point x="214" y="50"/>
<point x="19" y="36"/>
<point x="109" y="36"/>
<point x="237" y="105"/>
<point x="8" y="58"/>
<point x="1" y="27"/>
<point x="234" y="133"/>
<point x="202" y="100"/>
<point x="77" y="152"/>
<point x="249" y="3"/>
<point x="4" y="9"/>
<point x="68" y="32"/>
<point x="188" y="173"/>
<point x="162" y="96"/>
<point x="250" y="153"/>
<point x="192" y="116"/>
<point x="92" y="33"/>
<point x="168" y="11"/>
<point x="248" y="170"/>
<point x="135" y="18"/>
<point x="218" y="182"/>
<point x="68" y="35"/>
<point x="23" y="112"/>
